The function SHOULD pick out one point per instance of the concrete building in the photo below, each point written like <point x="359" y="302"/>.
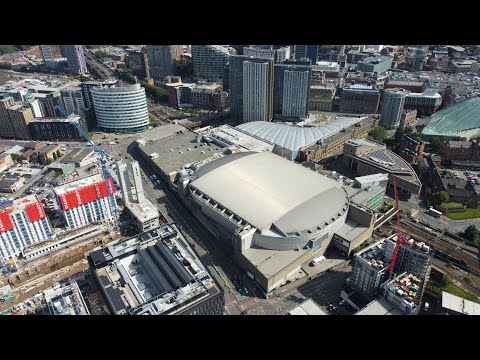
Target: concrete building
<point x="46" y="153"/>
<point x="47" y="54"/>
<point x="6" y="161"/>
<point x="272" y="227"/>
<point x="36" y="109"/>
<point x="290" y="140"/>
<point x="321" y="97"/>
<point x="408" y="117"/>
<point x="143" y="211"/>
<point x="11" y="184"/>
<point x="291" y="94"/>
<point x="468" y="151"/>
<point x="309" y="307"/>
<point x="14" y="119"/>
<point x="279" y="54"/>
<point x="379" y="307"/>
<point x="58" y="129"/>
<point x="392" y="107"/>
<point x="75" y="58"/>
<point x="455" y="305"/>
<point x="359" y="99"/>
<point x="160" y="61"/>
<point x="81" y="157"/>
<point x="430" y="100"/>
<point x="375" y="64"/>
<point x="367" y="157"/>
<point x="307" y="51"/>
<point x="160" y="276"/>
<point x="333" y="144"/>
<point x="209" y="97"/>
<point x="23" y="222"/>
<point x="139" y="64"/>
<point x="420" y="58"/>
<point x="87" y="88"/>
<point x="405" y="293"/>
<point x="66" y="300"/>
<point x="121" y="109"/>
<point x="48" y="100"/>
<point x="227" y="136"/>
<point x="86" y="201"/>
<point x="209" y="62"/>
<point x="330" y="68"/>
<point x="72" y="98"/>
<point x="257" y="90"/>
<point x="411" y="85"/>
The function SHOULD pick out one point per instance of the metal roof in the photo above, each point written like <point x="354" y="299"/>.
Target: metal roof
<point x="459" y="305"/>
<point x="457" y="120"/>
<point x="295" y="137"/>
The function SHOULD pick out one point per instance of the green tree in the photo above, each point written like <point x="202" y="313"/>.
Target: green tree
<point x="55" y="157"/>
<point x="101" y="54"/>
<point x="4" y="65"/>
<point x="121" y="66"/>
<point x="399" y="133"/>
<point x="409" y="130"/>
<point x="126" y="59"/>
<point x="420" y="112"/>
<point x="416" y="135"/>
<point x="184" y="67"/>
<point x="59" y="154"/>
<point x="378" y="133"/>
<point x="14" y="157"/>
<point x="49" y="161"/>
<point x="440" y="197"/>
<point x="471" y="233"/>
<point x="435" y="144"/>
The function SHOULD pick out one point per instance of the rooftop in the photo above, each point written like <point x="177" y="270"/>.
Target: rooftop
<point x="379" y="307"/>
<point x="459" y="305"/>
<point x="351" y="230"/>
<point x="309" y="307"/>
<point x="360" y="87"/>
<point x="66" y="300"/>
<point x="144" y="211"/>
<point x="71" y="119"/>
<point x="459" y="120"/>
<point x="371" y="178"/>
<point x="162" y="273"/>
<point x="175" y="151"/>
<point x="295" y="137"/>
<point x="234" y="136"/>
<point x="406" y="287"/>
<point x="78" y="155"/>
<point x="90" y="180"/>
<point x="257" y="187"/>
<point x="20" y="204"/>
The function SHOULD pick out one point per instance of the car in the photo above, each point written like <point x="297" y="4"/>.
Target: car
<point x="246" y="290"/>
<point x="341" y="302"/>
<point x="455" y="174"/>
<point x="426" y="306"/>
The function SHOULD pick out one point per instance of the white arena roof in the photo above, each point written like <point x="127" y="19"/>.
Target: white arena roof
<point x="295" y="137"/>
<point x="267" y="190"/>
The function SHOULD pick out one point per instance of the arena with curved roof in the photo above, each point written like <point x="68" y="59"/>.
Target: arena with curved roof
<point x="289" y="139"/>
<point x="456" y="122"/>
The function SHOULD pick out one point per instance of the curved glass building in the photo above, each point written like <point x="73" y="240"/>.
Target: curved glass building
<point x="121" y="109"/>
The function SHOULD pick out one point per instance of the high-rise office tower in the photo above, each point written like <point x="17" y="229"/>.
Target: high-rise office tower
<point x="291" y="91"/>
<point x="307" y="51"/>
<point x="420" y="58"/>
<point x="73" y="101"/>
<point x="14" y="119"/>
<point x="161" y="61"/>
<point x="139" y="64"/>
<point x="257" y="90"/>
<point x="392" y="107"/>
<point x="209" y="62"/>
<point x="75" y="58"/>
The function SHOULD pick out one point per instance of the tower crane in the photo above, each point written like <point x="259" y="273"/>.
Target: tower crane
<point x="103" y="161"/>
<point x="400" y="234"/>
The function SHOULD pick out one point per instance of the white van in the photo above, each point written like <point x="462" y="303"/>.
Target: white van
<point x="317" y="260"/>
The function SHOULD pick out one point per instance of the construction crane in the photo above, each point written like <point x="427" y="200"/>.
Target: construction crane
<point x="103" y="161"/>
<point x="400" y="234"/>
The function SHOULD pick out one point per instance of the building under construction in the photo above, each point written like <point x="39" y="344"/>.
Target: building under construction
<point x="371" y="264"/>
<point x="66" y="299"/>
<point x="404" y="292"/>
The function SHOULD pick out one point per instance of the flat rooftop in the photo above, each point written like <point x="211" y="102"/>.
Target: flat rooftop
<point x="258" y="188"/>
<point x="371" y="178"/>
<point x="66" y="300"/>
<point x="20" y="204"/>
<point x="79" y="184"/>
<point x="174" y="151"/>
<point x="144" y="211"/>
<point x="351" y="230"/>
<point x="161" y="273"/>
<point x="270" y="262"/>
<point x="78" y="155"/>
<point x="71" y="119"/>
<point x="459" y="305"/>
<point x="309" y="307"/>
<point x="161" y="132"/>
<point x="379" y="307"/>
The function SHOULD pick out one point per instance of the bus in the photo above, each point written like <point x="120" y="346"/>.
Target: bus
<point x="434" y="213"/>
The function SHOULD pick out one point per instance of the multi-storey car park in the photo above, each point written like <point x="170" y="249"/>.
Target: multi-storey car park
<point x="155" y="273"/>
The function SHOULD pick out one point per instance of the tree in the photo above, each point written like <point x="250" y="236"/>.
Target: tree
<point x="420" y="112"/>
<point x="440" y="197"/>
<point x="55" y="157"/>
<point x="184" y="68"/>
<point x="471" y="233"/>
<point x="435" y="144"/>
<point x="59" y="153"/>
<point x="416" y="135"/>
<point x="409" y="130"/>
<point x="101" y="54"/>
<point x="14" y="157"/>
<point x="4" y="65"/>
<point x="399" y="133"/>
<point x="49" y="161"/>
<point x="378" y="133"/>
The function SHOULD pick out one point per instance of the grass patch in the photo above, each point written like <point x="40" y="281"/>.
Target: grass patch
<point x="452" y="205"/>
<point x="469" y="213"/>
<point x="450" y="287"/>
<point x="446" y="175"/>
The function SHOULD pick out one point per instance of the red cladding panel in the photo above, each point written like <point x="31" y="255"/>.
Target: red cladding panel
<point x="6" y="223"/>
<point x="85" y="194"/>
<point x="35" y="211"/>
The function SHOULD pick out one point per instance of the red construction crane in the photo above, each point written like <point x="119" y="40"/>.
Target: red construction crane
<point x="400" y="235"/>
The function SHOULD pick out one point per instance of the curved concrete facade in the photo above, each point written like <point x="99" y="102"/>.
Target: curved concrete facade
<point x="122" y="109"/>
